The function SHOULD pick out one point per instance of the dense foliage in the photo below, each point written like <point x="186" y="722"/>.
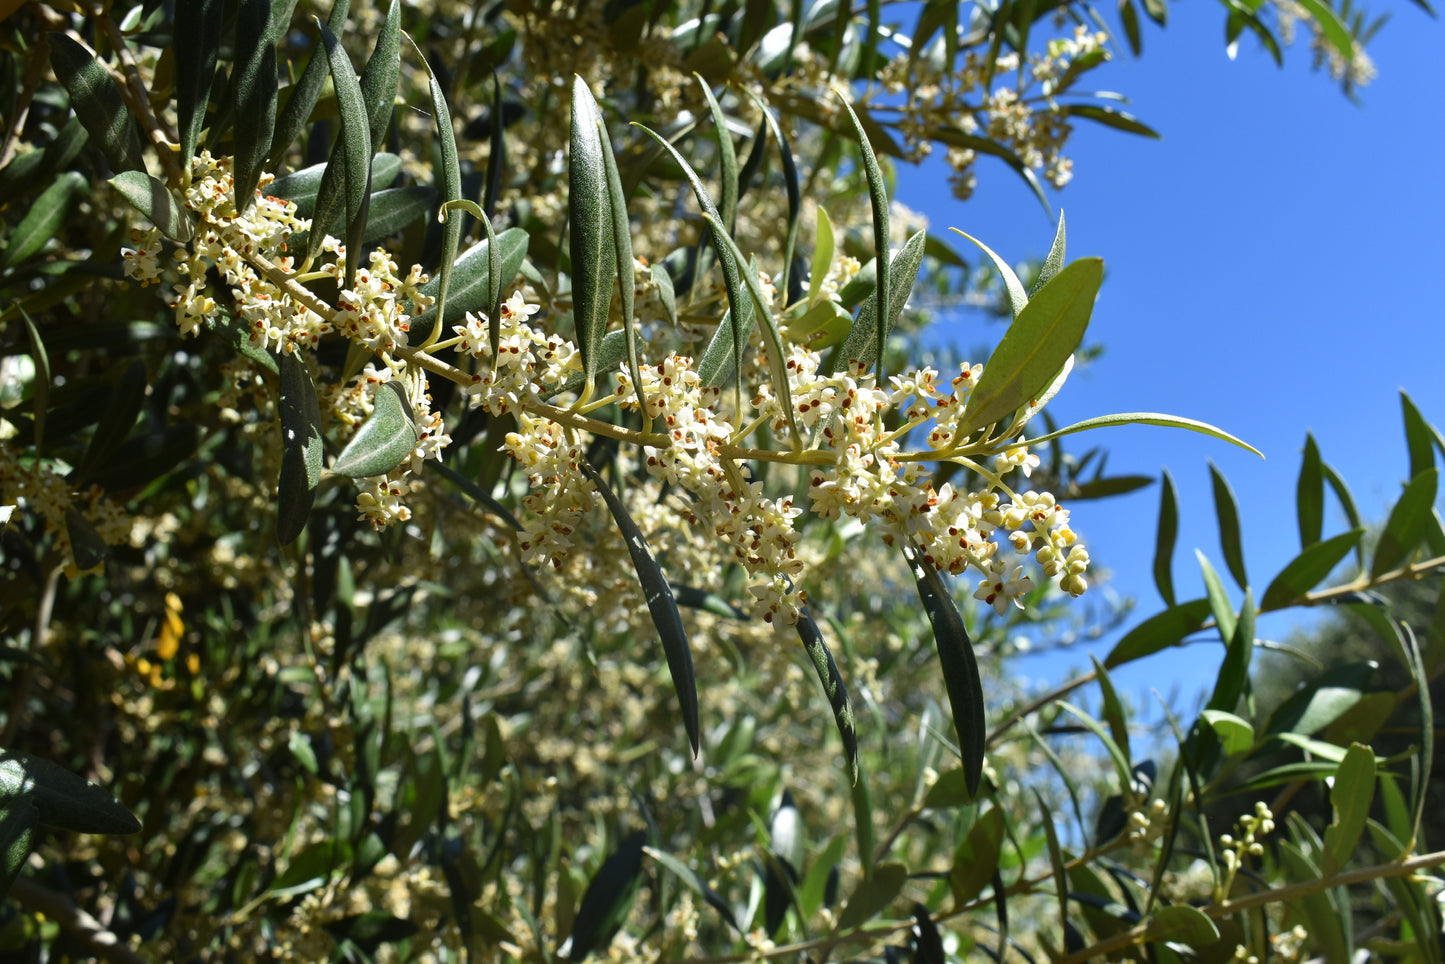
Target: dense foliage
<point x="502" y="502"/>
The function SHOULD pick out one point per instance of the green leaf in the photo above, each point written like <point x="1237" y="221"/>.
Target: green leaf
<point x="153" y="199"/>
<point x="1405" y="528"/>
<point x="97" y="102"/>
<point x="1129" y="17"/>
<point x="727" y="158"/>
<point x="304" y="93"/>
<point x="253" y="96"/>
<point x="18" y="821"/>
<point x="1420" y="436"/>
<point x="660" y="603"/>
<point x="833" y="687"/>
<point x="975" y="861"/>
<point x="956" y="660"/>
<point x="662" y="281"/>
<point x="861" y="344"/>
<point x="197" y="43"/>
<point x="1320" y="915"/>
<point x="1308" y="570"/>
<point x="1347" y="505"/>
<point x="1226" y="507"/>
<point x="873" y="895"/>
<point x="1164" y="540"/>
<point x="1122" y="768"/>
<point x="470" y="278"/>
<point x="45" y="218"/>
<point x="822" y="255"/>
<point x="1309" y="496"/>
<point x="1329" y="24"/>
<point x="608" y="898"/>
<point x="1056" y="857"/>
<point x="1288" y="773"/>
<point x="695" y="883"/>
<point x="1112" y="709"/>
<point x="622" y="257"/>
<point x="1234" y="673"/>
<point x="878" y="201"/>
<point x="1018" y="298"/>
<point x="1159" y="631"/>
<point x="62" y="800"/>
<point x="1350" y="798"/>
<point x="310" y="869"/>
<point x="1144" y="418"/>
<point x="718" y="358"/>
<point x="1054" y="261"/>
<point x="392" y="210"/>
<point x="1183" y="924"/>
<point x="385" y="440"/>
<point x="790" y="187"/>
<point x="1322" y="700"/>
<point x="301" y="448"/>
<point x="303" y="187"/>
<point x="354" y="150"/>
<point x="589" y="227"/>
<point x="1235" y="735"/>
<point x="1109" y="117"/>
<point x="1037" y="345"/>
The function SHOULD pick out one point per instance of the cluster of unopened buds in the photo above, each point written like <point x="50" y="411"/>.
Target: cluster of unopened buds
<point x="1251" y="828"/>
<point x="855" y="465"/>
<point x="1147" y="824"/>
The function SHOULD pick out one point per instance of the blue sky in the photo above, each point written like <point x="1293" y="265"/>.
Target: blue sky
<point x="1273" y="265"/>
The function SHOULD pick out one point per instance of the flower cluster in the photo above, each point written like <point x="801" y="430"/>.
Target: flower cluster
<point x="1250" y="827"/>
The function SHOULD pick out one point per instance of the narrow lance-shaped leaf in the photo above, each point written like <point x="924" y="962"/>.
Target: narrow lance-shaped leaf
<point x="1308" y="569"/>
<point x="608" y="898"/>
<point x="777" y="351"/>
<point x="589" y="229"/>
<point x="379" y="77"/>
<point x="301" y="449"/>
<point x="197" y="43"/>
<point x="385" y="440"/>
<point x="1226" y="507"/>
<point x="976" y="858"/>
<point x="1405" y="528"/>
<point x="472" y="274"/>
<point x="153" y="199"/>
<point x="97" y="102"/>
<point x="956" y="659"/>
<point x="18" y="822"/>
<point x="1310" y="495"/>
<point x="45" y="218"/>
<point x="822" y="254"/>
<point x="1037" y="344"/>
<point x="1347" y="504"/>
<point x="878" y="200"/>
<point x="622" y="256"/>
<point x="1054" y="261"/>
<point x="661" y="605"/>
<point x="1219" y="604"/>
<point x="1017" y="296"/>
<point x="1145" y="418"/>
<point x="63" y="800"/>
<point x="1167" y="533"/>
<point x="253" y="94"/>
<point x="790" y="187"/>
<point x="1159" y="631"/>
<point x="355" y="149"/>
<point x="860" y="345"/>
<point x="1350" y="798"/>
<point x="833" y="687"/>
<point x="497" y="155"/>
<point x="739" y="307"/>
<point x="1113" y="710"/>
<point x="727" y="158"/>
<point x="304" y="93"/>
<point x="87" y="548"/>
<point x="1234" y="672"/>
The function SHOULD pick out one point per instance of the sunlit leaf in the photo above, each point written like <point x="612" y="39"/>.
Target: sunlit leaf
<point x="821" y="659"/>
<point x="873" y="895"/>
<point x="1037" y="345"/>
<point x="1017" y="296"/>
<point x="1183" y="924"/>
<point x="878" y="202"/>
<point x="1159" y="632"/>
<point x="861" y="344"/>
<point x="976" y="858"/>
<point x="153" y="199"/>
<point x="1405" y="528"/>
<point x="1054" y="261"/>
<point x="1307" y="570"/>
<point x="97" y="102"/>
<point x="1145" y="418"/>
<point x="385" y="440"/>
<point x="1235" y="735"/>
<point x="1350" y="797"/>
<point x="470" y="281"/>
<point x="354" y="149"/>
<point x="589" y="227"/>
<point x="1165" y="537"/>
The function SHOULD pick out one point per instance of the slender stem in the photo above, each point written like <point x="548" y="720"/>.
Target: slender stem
<point x="162" y="137"/>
